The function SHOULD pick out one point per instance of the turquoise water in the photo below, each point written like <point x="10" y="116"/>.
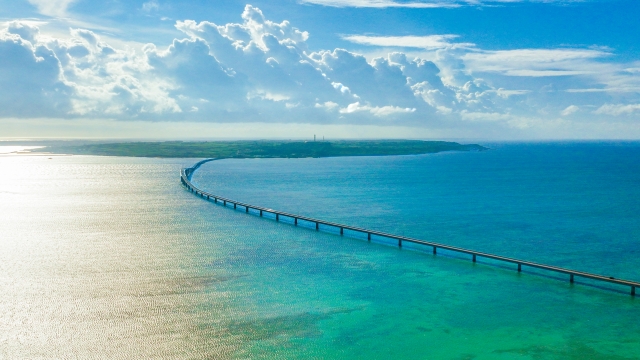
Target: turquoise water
<point x="111" y="258"/>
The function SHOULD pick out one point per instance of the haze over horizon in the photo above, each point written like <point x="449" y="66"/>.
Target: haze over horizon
<point x="501" y="69"/>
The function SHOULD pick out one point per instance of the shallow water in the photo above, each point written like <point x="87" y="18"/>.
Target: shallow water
<point x="111" y="258"/>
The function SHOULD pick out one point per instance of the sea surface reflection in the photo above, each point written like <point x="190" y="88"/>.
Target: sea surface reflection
<point x="111" y="258"/>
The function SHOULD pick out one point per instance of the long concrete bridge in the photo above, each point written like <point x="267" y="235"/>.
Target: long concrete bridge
<point x="185" y="178"/>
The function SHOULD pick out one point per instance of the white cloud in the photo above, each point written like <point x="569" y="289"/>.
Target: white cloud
<point x="544" y="73"/>
<point x="343" y="89"/>
<point x="379" y="111"/>
<point x="32" y="79"/>
<point x="268" y="96"/>
<point x="84" y="76"/>
<point x="150" y="6"/>
<point x="54" y="8"/>
<point x="329" y="105"/>
<point x="262" y="70"/>
<point x="26" y="30"/>
<point x="423" y="42"/>
<point x="535" y="62"/>
<point x="587" y="90"/>
<point x="618" y="109"/>
<point x="503" y="93"/>
<point x="571" y="109"/>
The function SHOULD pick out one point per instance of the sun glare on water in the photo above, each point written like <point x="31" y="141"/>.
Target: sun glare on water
<point x="15" y="150"/>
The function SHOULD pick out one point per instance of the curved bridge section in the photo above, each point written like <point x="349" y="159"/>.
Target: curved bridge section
<point x="185" y="178"/>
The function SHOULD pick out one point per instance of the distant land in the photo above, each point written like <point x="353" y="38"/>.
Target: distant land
<point x="262" y="148"/>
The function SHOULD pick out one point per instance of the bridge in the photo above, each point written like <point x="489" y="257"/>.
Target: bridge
<point x="187" y="173"/>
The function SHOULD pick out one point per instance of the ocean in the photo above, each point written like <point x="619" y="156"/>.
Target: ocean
<point x="109" y="257"/>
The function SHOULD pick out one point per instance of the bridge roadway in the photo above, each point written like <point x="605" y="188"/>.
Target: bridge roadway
<point x="185" y="178"/>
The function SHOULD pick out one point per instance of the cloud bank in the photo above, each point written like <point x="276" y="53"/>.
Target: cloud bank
<point x="259" y="70"/>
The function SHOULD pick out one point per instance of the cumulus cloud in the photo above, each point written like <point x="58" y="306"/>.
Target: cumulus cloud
<point x="32" y="78"/>
<point x="79" y="75"/>
<point x="24" y="30"/>
<point x="484" y="116"/>
<point x="263" y="70"/>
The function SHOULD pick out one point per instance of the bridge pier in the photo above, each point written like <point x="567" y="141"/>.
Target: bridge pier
<point x="571" y="278"/>
<point x="434" y="250"/>
<point x="399" y="243"/>
<point x="474" y="257"/>
<point x="368" y="236"/>
<point x="633" y="291"/>
<point x="341" y="231"/>
<point x="246" y="208"/>
<point x="235" y="206"/>
<point x="277" y="217"/>
<point x="295" y="221"/>
<point x="519" y="267"/>
<point x="317" y="226"/>
<point x="260" y="212"/>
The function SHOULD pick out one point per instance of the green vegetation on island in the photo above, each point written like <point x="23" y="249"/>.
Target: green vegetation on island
<point x="263" y="148"/>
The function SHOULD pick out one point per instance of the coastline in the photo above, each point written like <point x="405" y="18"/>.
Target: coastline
<point x="249" y="149"/>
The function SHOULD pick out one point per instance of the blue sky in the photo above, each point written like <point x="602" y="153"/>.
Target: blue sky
<point x="468" y="69"/>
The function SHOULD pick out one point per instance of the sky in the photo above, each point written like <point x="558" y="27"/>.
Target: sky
<point x="429" y="69"/>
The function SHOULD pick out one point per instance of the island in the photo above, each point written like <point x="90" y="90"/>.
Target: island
<point x="261" y="148"/>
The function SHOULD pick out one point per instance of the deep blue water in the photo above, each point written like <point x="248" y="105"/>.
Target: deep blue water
<point x="574" y="205"/>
